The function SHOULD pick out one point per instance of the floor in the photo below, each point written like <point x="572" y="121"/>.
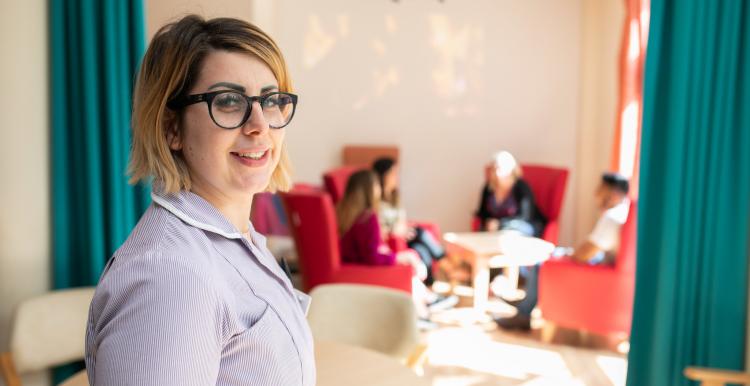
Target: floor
<point x="464" y="352"/>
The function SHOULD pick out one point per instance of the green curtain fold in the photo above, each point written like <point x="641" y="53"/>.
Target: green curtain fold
<point x="96" y="47"/>
<point x="694" y="208"/>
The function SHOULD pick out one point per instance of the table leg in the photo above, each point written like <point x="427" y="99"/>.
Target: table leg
<point x="512" y="273"/>
<point x="481" y="284"/>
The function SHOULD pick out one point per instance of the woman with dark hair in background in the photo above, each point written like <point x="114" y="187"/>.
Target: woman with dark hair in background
<point x="362" y="243"/>
<point x="393" y="218"/>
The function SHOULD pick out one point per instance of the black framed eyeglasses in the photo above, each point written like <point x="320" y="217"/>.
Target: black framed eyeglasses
<point x="230" y="109"/>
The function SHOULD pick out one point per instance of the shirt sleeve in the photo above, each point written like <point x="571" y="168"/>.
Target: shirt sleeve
<point x="605" y="234"/>
<point x="371" y="244"/>
<point x="525" y="201"/>
<point x="482" y="213"/>
<point x="155" y="322"/>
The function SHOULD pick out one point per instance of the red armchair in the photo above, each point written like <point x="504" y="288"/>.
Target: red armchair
<point x="335" y="181"/>
<point x="597" y="299"/>
<point x="313" y="225"/>
<point x="548" y="185"/>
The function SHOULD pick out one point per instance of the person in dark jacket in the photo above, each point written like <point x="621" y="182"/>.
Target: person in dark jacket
<point x="507" y="202"/>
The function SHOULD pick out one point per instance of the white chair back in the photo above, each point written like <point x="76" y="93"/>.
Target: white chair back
<point x="372" y="317"/>
<point x="50" y="330"/>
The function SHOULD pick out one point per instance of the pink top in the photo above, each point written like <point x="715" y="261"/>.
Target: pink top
<point x="362" y="243"/>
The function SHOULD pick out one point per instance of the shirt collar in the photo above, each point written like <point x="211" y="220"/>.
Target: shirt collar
<point x="196" y="211"/>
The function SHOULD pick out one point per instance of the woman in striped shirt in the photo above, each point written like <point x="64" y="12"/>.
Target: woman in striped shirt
<point x="193" y="296"/>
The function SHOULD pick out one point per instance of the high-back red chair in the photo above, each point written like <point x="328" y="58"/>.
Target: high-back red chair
<point x="548" y="185"/>
<point x="364" y="155"/>
<point x="594" y="298"/>
<point x="314" y="228"/>
<point x="267" y="212"/>
<point x="335" y="181"/>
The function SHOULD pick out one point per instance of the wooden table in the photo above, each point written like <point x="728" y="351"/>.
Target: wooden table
<point x="344" y="365"/>
<point x="504" y="249"/>
<point x="340" y="365"/>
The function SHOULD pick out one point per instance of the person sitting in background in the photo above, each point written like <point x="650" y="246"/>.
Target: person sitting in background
<point x="393" y="220"/>
<point x="359" y="228"/>
<point x="604" y="240"/>
<point x="599" y="248"/>
<point x="507" y="202"/>
<point x="361" y="241"/>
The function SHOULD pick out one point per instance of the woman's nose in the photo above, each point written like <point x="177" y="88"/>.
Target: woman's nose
<point x="256" y="123"/>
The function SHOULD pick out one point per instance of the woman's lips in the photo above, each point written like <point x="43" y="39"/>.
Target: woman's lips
<point x="251" y="158"/>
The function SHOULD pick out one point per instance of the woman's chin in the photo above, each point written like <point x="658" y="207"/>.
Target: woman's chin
<point x="254" y="185"/>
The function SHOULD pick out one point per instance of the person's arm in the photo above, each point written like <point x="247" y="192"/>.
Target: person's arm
<point x="602" y="238"/>
<point x="371" y="244"/>
<point x="482" y="213"/>
<point x="525" y="200"/>
<point x="585" y="252"/>
<point x="155" y="322"/>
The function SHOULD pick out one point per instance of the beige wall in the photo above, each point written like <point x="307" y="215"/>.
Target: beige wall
<point x="602" y="30"/>
<point x="24" y="157"/>
<point x="537" y="78"/>
<point x="449" y="84"/>
<point x="553" y="79"/>
<point x="160" y="12"/>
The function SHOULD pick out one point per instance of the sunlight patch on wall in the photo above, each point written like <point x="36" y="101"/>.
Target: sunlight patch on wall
<point x="390" y="24"/>
<point x="460" y="60"/>
<point x="384" y="80"/>
<point x="318" y="42"/>
<point x="342" y="20"/>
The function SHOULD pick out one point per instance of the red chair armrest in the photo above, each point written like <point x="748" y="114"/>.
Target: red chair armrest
<point x="431" y="227"/>
<point x="393" y="276"/>
<point x="551" y="232"/>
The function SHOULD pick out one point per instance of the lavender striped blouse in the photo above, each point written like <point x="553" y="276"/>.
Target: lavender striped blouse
<point x="186" y="300"/>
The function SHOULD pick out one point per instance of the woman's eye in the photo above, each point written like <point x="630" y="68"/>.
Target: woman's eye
<point x="228" y="101"/>
<point x="271" y="102"/>
<point x="278" y="100"/>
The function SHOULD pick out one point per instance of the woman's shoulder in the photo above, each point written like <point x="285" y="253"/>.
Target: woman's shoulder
<point x="367" y="216"/>
<point x="522" y="187"/>
<point x="367" y="219"/>
<point x="161" y="239"/>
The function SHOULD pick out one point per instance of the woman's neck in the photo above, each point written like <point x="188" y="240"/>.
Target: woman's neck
<point x="235" y="209"/>
<point x="500" y="193"/>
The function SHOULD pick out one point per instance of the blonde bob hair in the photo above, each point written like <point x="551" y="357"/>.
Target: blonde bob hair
<point x="169" y="70"/>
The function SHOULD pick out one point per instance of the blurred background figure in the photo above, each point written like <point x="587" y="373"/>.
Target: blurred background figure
<point x="507" y="202"/>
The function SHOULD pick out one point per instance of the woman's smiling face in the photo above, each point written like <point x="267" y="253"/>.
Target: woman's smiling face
<point x="229" y="163"/>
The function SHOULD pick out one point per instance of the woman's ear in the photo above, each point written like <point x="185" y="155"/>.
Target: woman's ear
<point x="174" y="139"/>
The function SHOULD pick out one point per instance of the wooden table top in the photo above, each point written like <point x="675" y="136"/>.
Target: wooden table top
<point x="340" y="365"/>
<point x="504" y="248"/>
<point x="345" y="365"/>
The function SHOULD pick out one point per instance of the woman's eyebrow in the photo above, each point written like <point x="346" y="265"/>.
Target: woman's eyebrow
<point x="268" y="89"/>
<point x="233" y="86"/>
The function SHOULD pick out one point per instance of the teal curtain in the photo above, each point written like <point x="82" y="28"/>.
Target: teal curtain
<point x="691" y="283"/>
<point x="96" y="47"/>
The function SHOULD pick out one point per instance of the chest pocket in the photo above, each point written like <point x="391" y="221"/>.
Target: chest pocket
<point x="264" y="353"/>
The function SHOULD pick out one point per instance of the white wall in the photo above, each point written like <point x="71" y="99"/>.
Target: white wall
<point x="160" y="12"/>
<point x="24" y="158"/>
<point x="538" y="78"/>
<point x="449" y="84"/>
<point x="602" y="32"/>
